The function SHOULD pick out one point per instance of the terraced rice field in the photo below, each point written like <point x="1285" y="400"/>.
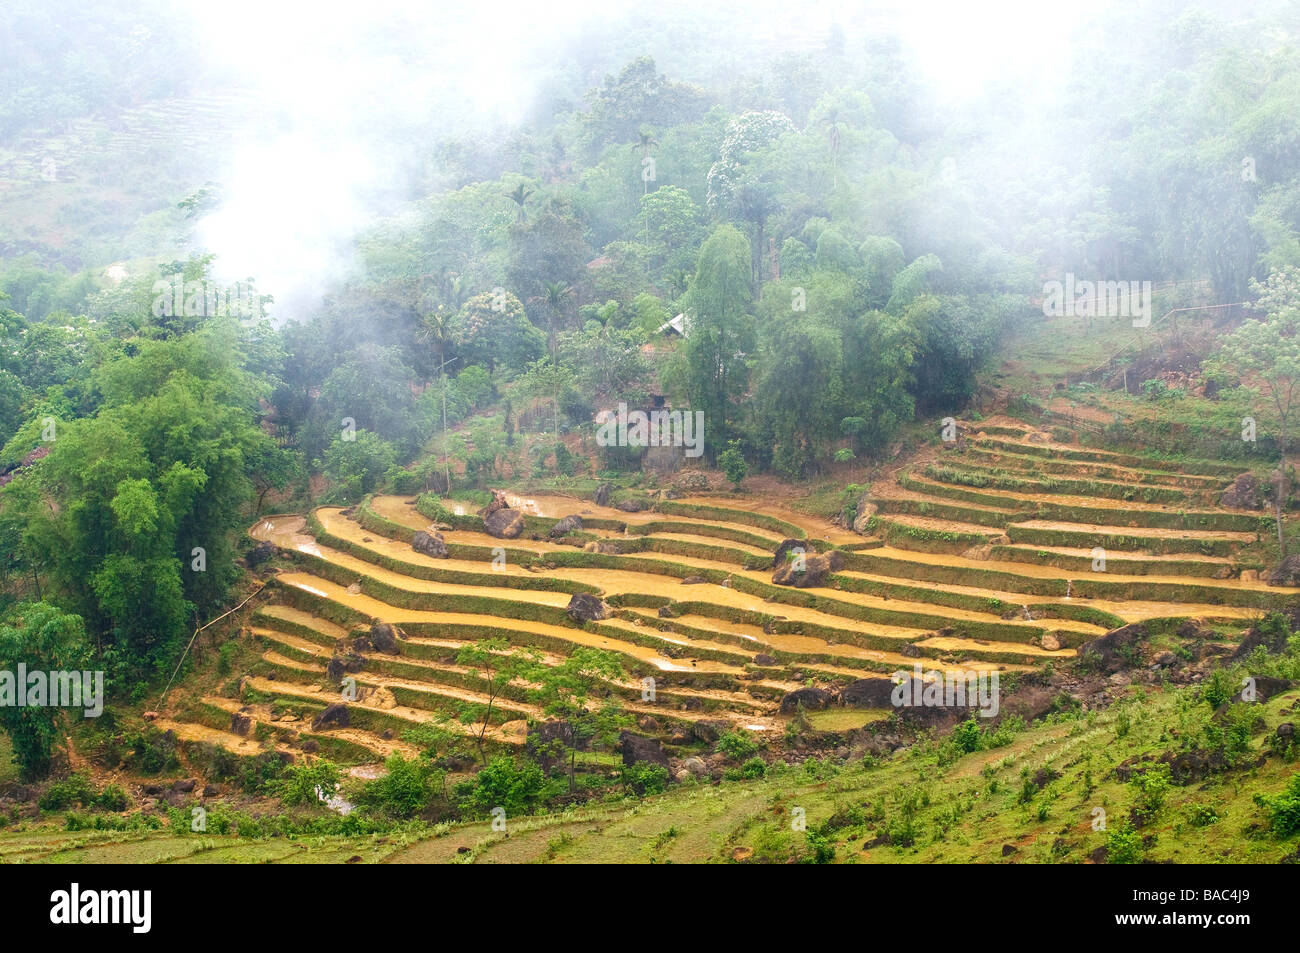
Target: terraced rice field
<point x="981" y="560"/>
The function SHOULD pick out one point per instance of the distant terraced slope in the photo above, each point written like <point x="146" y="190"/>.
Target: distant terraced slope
<point x="982" y="561"/>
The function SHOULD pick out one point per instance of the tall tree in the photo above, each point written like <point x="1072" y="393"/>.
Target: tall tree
<point x="720" y="332"/>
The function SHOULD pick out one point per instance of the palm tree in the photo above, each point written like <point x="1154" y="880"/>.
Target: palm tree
<point x="519" y="196"/>
<point x="832" y="123"/>
<point x="554" y="296"/>
<point x="436" y="331"/>
<point x="645" y="142"/>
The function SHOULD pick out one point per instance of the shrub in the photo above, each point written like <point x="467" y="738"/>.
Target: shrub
<point x="406" y="790"/>
<point x="112" y="798"/>
<point x="506" y="782"/>
<point x="428" y="505"/>
<point x="300" y="782"/>
<point x="645" y="778"/>
<point x="1283" y="809"/>
<point x="63" y="794"/>
<point x="733" y="465"/>
<point x="1123" y="844"/>
<point x="1218" y="688"/>
<point x="737" y="745"/>
<point x="967" y="735"/>
<point x="1152" y="787"/>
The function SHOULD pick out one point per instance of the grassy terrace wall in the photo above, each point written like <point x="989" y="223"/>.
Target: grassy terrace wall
<point x="1017" y="482"/>
<point x="1157" y="545"/>
<point x="1085" y="585"/>
<point x="438" y="574"/>
<point x="1105" y="516"/>
<point x="1200" y="467"/>
<point x="533" y="525"/>
<point x="576" y="559"/>
<point x="905" y="536"/>
<point x="1103" y="471"/>
<point x="937" y="509"/>
<point x="290" y="627"/>
<point x="724" y="515"/>
<point x="701" y="529"/>
<point x="1115" y="564"/>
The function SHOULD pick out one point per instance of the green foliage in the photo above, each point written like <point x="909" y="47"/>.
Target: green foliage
<point x="46" y="639"/>
<point x="357" y="463"/>
<point x="564" y="690"/>
<point x="1151" y="788"/>
<point x="644" y="778"/>
<point x="515" y="785"/>
<point x="1283" y="810"/>
<point x="305" y="783"/>
<point x="737" y="745"/>
<point x="60" y="795"/>
<point x="407" y="789"/>
<point x="1123" y="844"/>
<point x="733" y="464"/>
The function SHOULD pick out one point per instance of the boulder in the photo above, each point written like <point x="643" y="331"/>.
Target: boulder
<point x="1114" y="649"/>
<point x="430" y="544"/>
<point x="1195" y="629"/>
<point x="1286" y="573"/>
<point x="603" y="546"/>
<point x="601" y="496"/>
<point x="334" y="716"/>
<point x="694" y="767"/>
<point x="694" y="581"/>
<point x="1266" y="686"/>
<point x="260" y="554"/>
<point x="1242" y="494"/>
<point x="815" y="570"/>
<point x="340" y="665"/>
<point x="566" y="526"/>
<point x="866" y="510"/>
<point x="1273" y="643"/>
<point x="584" y="607"/>
<point x="709" y="730"/>
<point x="868" y="693"/>
<point x="548" y="741"/>
<point x="636" y="748"/>
<point x="1286" y="732"/>
<point x="504" y="523"/>
<point x="1029" y="703"/>
<point x="780" y="554"/>
<point x="383" y="636"/>
<point x="633" y="505"/>
<point x="240" y="724"/>
<point x="1049" y="642"/>
<point x="810" y="699"/>
<point x="666" y="612"/>
<point x="762" y="658"/>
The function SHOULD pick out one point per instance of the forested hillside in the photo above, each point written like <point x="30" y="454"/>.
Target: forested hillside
<point x="797" y="236"/>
